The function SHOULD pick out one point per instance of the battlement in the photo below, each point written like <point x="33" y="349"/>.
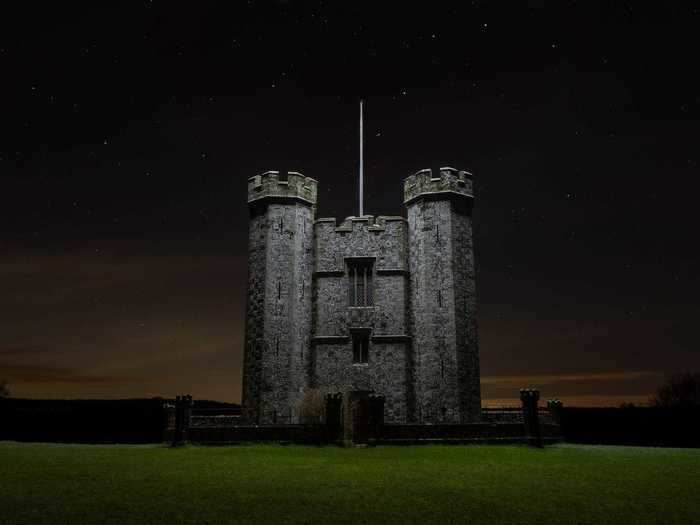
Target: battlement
<point x="370" y="222"/>
<point x="269" y="186"/>
<point x="382" y="237"/>
<point x="446" y="183"/>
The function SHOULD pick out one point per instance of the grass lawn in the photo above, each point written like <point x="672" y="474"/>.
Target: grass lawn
<point x="103" y="484"/>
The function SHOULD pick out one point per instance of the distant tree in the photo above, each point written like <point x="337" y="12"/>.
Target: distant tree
<point x="679" y="390"/>
<point x="4" y="389"/>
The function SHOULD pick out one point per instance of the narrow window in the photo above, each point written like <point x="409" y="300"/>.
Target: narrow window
<point x="360" y="283"/>
<point x="277" y="347"/>
<point x="281" y="225"/>
<point x="442" y="368"/>
<point x="437" y="233"/>
<point x="279" y="290"/>
<point x="351" y="286"/>
<point x="368" y="286"/>
<point x="360" y="276"/>
<point x="360" y="348"/>
<point x="439" y="298"/>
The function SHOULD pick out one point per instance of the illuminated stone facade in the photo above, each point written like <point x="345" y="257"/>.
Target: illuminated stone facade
<point x="376" y="304"/>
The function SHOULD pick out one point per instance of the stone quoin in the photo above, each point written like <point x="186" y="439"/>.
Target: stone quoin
<point x="382" y="305"/>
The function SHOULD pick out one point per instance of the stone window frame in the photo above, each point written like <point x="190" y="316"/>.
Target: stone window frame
<point x="365" y="283"/>
<point x="360" y="341"/>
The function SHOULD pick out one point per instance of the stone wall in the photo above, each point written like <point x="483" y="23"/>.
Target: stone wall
<point x="421" y="322"/>
<point x="287" y="433"/>
<point x="383" y="238"/>
<point x="468" y="374"/>
<point x="383" y="241"/>
<point x="278" y="316"/>
<point x="385" y="373"/>
<point x="255" y="316"/>
<point x="441" y="264"/>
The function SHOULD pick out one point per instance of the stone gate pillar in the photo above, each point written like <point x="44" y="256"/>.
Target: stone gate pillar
<point x="529" y="398"/>
<point x="183" y="414"/>
<point x="555" y="407"/>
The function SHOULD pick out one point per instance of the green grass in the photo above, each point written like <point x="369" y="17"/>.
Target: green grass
<point x="44" y="483"/>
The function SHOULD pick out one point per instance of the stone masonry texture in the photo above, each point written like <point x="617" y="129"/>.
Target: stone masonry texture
<point x="421" y="321"/>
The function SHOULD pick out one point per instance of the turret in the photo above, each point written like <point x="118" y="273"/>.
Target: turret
<point x="443" y="295"/>
<point x="278" y="311"/>
<point x="270" y="187"/>
<point x="442" y="183"/>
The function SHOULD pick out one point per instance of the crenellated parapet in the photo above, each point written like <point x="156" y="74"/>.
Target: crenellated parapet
<point x="382" y="237"/>
<point x="368" y="222"/>
<point x="268" y="186"/>
<point x="438" y="183"/>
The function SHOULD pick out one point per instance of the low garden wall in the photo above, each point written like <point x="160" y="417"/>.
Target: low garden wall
<point x="466" y="433"/>
<point x="366" y="425"/>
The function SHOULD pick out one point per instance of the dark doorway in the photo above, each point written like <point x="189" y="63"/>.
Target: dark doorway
<point x="365" y="417"/>
<point x="360" y="420"/>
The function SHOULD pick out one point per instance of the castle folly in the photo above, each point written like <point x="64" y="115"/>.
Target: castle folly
<point x="385" y="305"/>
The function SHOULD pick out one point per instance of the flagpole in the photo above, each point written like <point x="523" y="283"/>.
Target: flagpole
<point x="362" y="182"/>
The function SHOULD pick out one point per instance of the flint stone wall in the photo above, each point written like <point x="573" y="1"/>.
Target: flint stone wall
<point x="423" y="347"/>
<point x="383" y="240"/>
<point x="443" y="299"/>
<point x="278" y="315"/>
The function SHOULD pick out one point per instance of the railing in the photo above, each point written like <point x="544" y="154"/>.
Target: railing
<point x="215" y="421"/>
<point x="546" y="417"/>
<point x="530" y="423"/>
<point x="215" y="417"/>
<point x="502" y="415"/>
<point x="216" y="411"/>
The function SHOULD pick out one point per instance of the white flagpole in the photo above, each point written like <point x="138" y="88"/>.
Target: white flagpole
<point x="362" y="210"/>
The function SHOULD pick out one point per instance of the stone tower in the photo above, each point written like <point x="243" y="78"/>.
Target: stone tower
<point x="443" y="295"/>
<point x="278" y="310"/>
<point x="372" y="305"/>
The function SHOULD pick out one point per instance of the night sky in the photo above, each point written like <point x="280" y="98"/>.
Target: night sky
<point x="128" y="132"/>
